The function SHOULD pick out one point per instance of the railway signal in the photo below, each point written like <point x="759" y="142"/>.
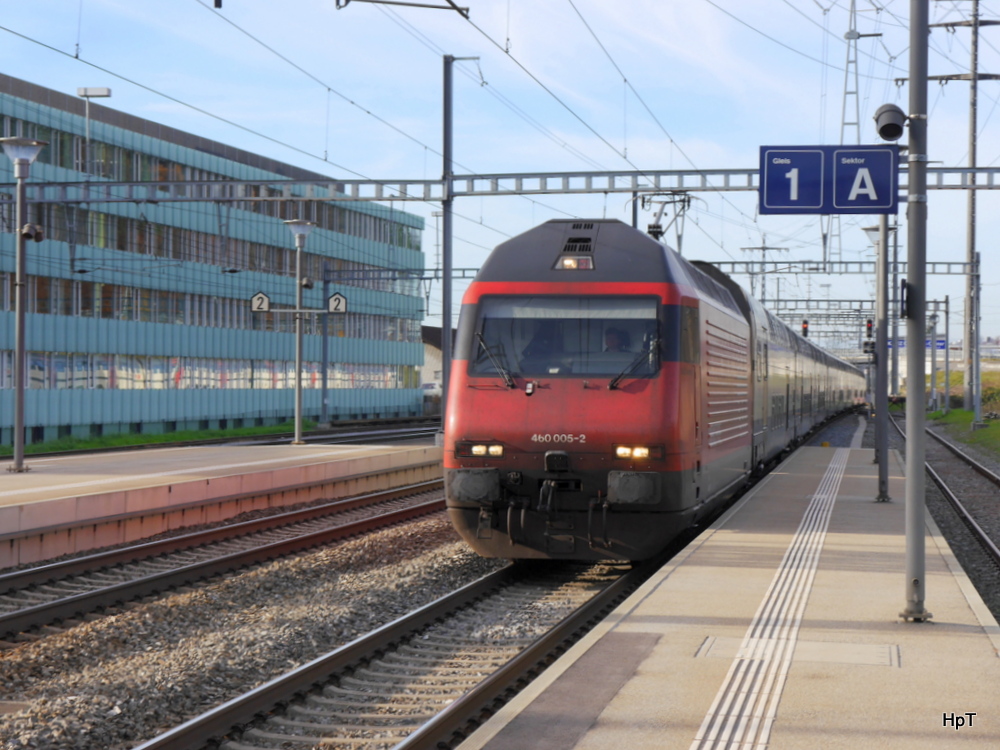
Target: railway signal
<point x="868" y="327"/>
<point x="805" y="329"/>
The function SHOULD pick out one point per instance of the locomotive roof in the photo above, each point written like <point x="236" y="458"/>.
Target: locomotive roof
<point x="618" y="253"/>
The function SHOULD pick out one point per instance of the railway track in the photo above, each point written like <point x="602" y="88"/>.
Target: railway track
<point x="413" y="429"/>
<point x="427" y="679"/>
<point x="38" y="597"/>
<point x="374" y="434"/>
<point x="969" y="487"/>
<point x="168" y="660"/>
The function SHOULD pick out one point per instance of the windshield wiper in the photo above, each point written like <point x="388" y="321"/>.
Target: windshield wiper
<point x="654" y="348"/>
<point x="501" y="371"/>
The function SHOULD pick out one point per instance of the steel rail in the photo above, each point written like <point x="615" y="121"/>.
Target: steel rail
<point x="980" y="468"/>
<point x="72" y="606"/>
<point x="989" y="547"/>
<point x="242" y="710"/>
<point x="332" y="437"/>
<point x="977" y="531"/>
<point x="462" y="715"/>
<point x="404" y="433"/>
<point x="465" y="714"/>
<point x="238" y="496"/>
<point x="54" y="571"/>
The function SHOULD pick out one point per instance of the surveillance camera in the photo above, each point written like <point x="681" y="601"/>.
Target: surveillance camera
<point x="889" y="122"/>
<point x="307" y="283"/>
<point x="32" y="232"/>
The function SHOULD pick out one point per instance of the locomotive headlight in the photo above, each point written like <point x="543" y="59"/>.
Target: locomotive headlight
<point x="638" y="451"/>
<point x="574" y="263"/>
<point x="479" y="450"/>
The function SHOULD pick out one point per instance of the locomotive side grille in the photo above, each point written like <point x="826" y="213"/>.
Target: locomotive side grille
<point x="583" y="225"/>
<point x="727" y="397"/>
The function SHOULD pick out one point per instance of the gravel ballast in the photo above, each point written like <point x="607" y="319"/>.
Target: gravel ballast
<point x="112" y="683"/>
<point x="977" y="565"/>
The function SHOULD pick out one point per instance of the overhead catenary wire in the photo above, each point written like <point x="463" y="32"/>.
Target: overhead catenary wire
<point x="208" y="113"/>
<point x="705" y="225"/>
<point x="552" y="94"/>
<point x="424" y="40"/>
<point x="649" y="111"/>
<point x="212" y="115"/>
<point x="519" y="111"/>
<point x="466" y="218"/>
<point x="175" y="100"/>
<point x="330" y="90"/>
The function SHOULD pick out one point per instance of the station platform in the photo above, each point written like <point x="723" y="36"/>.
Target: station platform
<point x="74" y="503"/>
<point x="779" y="627"/>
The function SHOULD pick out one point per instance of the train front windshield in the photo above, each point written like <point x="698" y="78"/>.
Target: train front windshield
<point x="567" y="336"/>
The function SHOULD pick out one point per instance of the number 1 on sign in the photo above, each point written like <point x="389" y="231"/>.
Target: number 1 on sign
<point x="792" y="175"/>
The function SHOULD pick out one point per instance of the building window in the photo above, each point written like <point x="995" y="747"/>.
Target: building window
<point x="6" y="291"/>
<point x="6" y="369"/>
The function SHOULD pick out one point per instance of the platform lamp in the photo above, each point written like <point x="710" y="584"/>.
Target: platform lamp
<point x="891" y="121"/>
<point x="301" y="229"/>
<point x="22" y="152"/>
<point x="88" y="93"/>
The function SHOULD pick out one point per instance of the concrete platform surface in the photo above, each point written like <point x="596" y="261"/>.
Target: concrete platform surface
<point x="779" y="627"/>
<point x="79" y="503"/>
<point x="72" y="476"/>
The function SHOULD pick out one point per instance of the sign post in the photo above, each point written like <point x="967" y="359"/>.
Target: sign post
<point x="335" y="303"/>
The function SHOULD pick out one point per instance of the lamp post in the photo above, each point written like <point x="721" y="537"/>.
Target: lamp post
<point x="21" y="151"/>
<point x="895" y="308"/>
<point x="916" y="293"/>
<point x="300" y="228"/>
<point x="933" y="320"/>
<point x="947" y="355"/>
<point x="88" y="93"/>
<point x="879" y="237"/>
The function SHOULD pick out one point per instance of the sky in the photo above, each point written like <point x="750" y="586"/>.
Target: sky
<point x="554" y="86"/>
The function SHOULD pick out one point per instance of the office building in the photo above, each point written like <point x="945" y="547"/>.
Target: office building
<point x="138" y="314"/>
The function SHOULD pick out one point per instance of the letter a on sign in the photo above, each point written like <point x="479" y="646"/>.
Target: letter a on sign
<point x="863" y="184"/>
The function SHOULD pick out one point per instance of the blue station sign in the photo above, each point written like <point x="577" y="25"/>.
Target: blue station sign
<point x="829" y="179"/>
<point x="941" y="344"/>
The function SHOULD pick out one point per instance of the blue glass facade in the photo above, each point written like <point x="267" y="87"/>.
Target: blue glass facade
<point x="138" y="314"/>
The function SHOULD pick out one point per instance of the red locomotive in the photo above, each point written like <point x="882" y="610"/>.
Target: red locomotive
<point x="606" y="394"/>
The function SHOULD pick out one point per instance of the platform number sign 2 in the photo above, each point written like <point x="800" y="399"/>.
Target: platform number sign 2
<point x="829" y="179"/>
<point x="336" y="303"/>
<point x="260" y="302"/>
